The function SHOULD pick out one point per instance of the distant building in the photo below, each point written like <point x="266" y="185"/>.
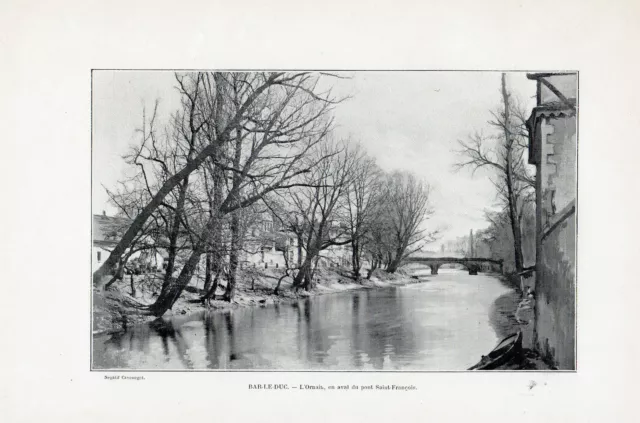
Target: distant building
<point x="267" y="244"/>
<point x="107" y="232"/>
<point x="336" y="255"/>
<point x="553" y="149"/>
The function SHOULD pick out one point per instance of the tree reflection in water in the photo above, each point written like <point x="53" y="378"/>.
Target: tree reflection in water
<point x="394" y="328"/>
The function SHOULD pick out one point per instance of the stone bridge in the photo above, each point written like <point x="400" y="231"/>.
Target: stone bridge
<point x="473" y="264"/>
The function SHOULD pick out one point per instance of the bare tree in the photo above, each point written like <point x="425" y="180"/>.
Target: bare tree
<point x="504" y="154"/>
<point x="266" y="153"/>
<point x="144" y="242"/>
<point x="407" y="208"/>
<point x="264" y="97"/>
<point x="361" y="195"/>
<point x="311" y="211"/>
<point x="379" y="244"/>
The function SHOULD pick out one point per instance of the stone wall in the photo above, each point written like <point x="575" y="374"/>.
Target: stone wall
<point x="553" y="149"/>
<point x="558" y="162"/>
<point x="555" y="295"/>
<point x="555" y="270"/>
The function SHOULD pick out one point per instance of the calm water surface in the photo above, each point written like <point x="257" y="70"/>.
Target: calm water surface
<point x="441" y="324"/>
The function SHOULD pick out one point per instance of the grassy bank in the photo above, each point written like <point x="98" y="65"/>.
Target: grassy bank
<point x="117" y="308"/>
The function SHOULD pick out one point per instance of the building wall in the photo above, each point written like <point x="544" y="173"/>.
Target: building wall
<point x="258" y="253"/>
<point x="556" y="244"/>
<point x="95" y="263"/>
<point x="330" y="257"/>
<point x="558" y="159"/>
<point x="156" y="262"/>
<point x="269" y="256"/>
<point x="335" y="255"/>
<point x="555" y="299"/>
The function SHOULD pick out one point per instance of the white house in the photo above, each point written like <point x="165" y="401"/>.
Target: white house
<point x="266" y="244"/>
<point x="107" y="231"/>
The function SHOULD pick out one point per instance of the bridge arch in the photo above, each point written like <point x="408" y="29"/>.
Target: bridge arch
<point x="473" y="264"/>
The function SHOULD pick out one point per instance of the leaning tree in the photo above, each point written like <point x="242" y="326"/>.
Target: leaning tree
<point x="264" y="103"/>
<point x="266" y="150"/>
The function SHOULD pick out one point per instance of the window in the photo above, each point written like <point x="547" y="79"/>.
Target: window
<point x="99" y="258"/>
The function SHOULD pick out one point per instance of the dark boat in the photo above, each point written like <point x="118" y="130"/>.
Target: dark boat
<point x="506" y="349"/>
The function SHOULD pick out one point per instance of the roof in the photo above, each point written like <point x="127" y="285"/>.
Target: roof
<point x="108" y="229"/>
<point x="555" y="98"/>
<point x="552" y="110"/>
<point x="538" y="75"/>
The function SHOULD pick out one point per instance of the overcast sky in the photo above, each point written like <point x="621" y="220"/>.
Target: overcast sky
<point x="406" y="120"/>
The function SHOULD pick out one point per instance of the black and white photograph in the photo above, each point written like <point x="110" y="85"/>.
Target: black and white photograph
<point x="336" y="211"/>
<point x="307" y="220"/>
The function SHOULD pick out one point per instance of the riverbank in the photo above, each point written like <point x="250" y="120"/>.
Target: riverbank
<point x="117" y="308"/>
<point x="503" y="320"/>
<point x="502" y="315"/>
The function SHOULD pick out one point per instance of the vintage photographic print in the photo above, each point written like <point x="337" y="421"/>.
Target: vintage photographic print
<point x="334" y="220"/>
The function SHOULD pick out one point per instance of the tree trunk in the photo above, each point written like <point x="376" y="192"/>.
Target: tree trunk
<point x="138" y="223"/>
<point x="300" y="240"/>
<point x="207" y="273"/>
<point x="230" y="290"/>
<point x="374" y="266"/>
<point x="236" y="245"/>
<point x="119" y="274"/>
<point x="276" y="290"/>
<point x="166" y="299"/>
<point x="173" y="236"/>
<point x="303" y="271"/>
<point x="515" y="228"/>
<point x="214" y="256"/>
<point x="211" y="292"/>
<point x="394" y="262"/>
<point x="305" y="274"/>
<point x="355" y="259"/>
<point x="393" y="266"/>
<point x="513" y="212"/>
<point x="236" y="230"/>
<point x="309" y="281"/>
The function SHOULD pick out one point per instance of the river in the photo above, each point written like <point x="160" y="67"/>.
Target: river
<point x="440" y="324"/>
